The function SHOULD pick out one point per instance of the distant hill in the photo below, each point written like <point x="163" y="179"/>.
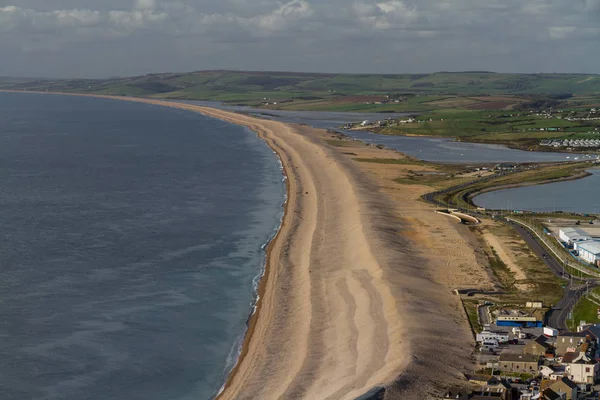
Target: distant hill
<point x="256" y="88"/>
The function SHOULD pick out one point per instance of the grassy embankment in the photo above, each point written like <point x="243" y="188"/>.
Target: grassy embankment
<point x="586" y="309"/>
<point x="462" y="197"/>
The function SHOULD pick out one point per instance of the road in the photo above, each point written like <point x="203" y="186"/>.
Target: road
<point x="557" y="316"/>
<point x="552" y="263"/>
<point x="484" y="315"/>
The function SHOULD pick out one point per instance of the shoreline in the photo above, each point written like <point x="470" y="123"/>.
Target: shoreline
<point x="349" y="301"/>
<point x="263" y="276"/>
<point x="289" y="316"/>
<point x="507" y="144"/>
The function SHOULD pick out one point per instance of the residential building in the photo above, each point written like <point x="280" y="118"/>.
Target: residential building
<point x="552" y="372"/>
<point x="589" y="251"/>
<point x="569" y="343"/>
<point x="483" y="380"/>
<point x="550" y="394"/>
<point x="562" y="386"/>
<point x="511" y="362"/>
<point x="538" y="347"/>
<point x="573" y="235"/>
<point x="502" y="391"/>
<point x="581" y="368"/>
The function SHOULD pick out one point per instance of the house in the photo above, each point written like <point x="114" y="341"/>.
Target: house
<point x="573" y="235"/>
<point x="483" y="380"/>
<point x="502" y="391"/>
<point x="580" y="368"/>
<point x="562" y="386"/>
<point x="511" y="362"/>
<point x="455" y="393"/>
<point x="538" y="347"/>
<point x="550" y="394"/>
<point x="569" y="343"/>
<point x="552" y="372"/>
<point x="589" y="251"/>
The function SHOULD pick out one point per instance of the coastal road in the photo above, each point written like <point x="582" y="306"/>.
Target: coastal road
<point x="552" y="263"/>
<point x="557" y="316"/>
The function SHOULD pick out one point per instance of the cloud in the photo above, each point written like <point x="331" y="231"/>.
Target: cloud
<point x="280" y="17"/>
<point x="169" y="18"/>
<point x="316" y="35"/>
<point x="561" y="32"/>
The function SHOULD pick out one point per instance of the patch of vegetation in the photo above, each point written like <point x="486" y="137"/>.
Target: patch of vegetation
<point x="471" y="308"/>
<point x="501" y="270"/>
<point x="586" y="309"/>
<point x="340" y="92"/>
<point x="404" y="161"/>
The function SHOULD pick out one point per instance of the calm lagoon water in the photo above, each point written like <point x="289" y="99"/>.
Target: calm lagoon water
<point x="130" y="246"/>
<point x="579" y="196"/>
<point x="443" y="150"/>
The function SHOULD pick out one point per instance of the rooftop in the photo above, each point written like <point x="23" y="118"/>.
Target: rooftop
<point x="514" y="357"/>
<point x="574" y="232"/>
<point x="593" y="246"/>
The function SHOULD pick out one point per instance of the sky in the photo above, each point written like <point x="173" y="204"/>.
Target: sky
<point x="106" y="38"/>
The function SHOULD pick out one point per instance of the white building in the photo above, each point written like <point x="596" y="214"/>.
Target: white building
<point x="580" y="368"/>
<point x="573" y="235"/>
<point x="589" y="251"/>
<point x="490" y="336"/>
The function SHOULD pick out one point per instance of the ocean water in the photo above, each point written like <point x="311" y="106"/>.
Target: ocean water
<point x="578" y="196"/>
<point x="130" y="247"/>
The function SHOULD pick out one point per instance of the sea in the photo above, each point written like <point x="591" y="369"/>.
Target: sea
<point x="131" y="243"/>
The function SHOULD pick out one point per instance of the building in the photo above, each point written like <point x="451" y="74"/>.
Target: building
<point x="483" y="380"/>
<point x="562" y="386"/>
<point x="511" y="362"/>
<point x="491" y="336"/>
<point x="538" y="347"/>
<point x="550" y="394"/>
<point x="552" y="372"/>
<point x="502" y="391"/>
<point x="569" y="343"/>
<point x="573" y="235"/>
<point x="523" y="321"/>
<point x="534" y="304"/>
<point x="589" y="251"/>
<point x="580" y="368"/>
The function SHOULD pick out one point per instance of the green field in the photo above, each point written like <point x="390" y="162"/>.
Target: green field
<point x="335" y="92"/>
<point x="586" y="309"/>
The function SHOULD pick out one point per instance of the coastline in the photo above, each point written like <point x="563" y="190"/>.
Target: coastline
<point x="346" y="303"/>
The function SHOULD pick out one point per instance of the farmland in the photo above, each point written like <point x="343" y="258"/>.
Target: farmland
<point x="334" y="92"/>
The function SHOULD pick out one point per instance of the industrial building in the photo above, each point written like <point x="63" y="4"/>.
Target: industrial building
<point x="522" y="321"/>
<point x="589" y="251"/>
<point x="573" y="235"/>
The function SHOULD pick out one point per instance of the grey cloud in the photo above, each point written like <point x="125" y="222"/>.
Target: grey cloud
<point x="327" y="35"/>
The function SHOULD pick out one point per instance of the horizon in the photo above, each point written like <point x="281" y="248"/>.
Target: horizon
<point x="51" y="78"/>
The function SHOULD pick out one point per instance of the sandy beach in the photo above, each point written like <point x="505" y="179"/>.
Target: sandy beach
<point x="357" y="293"/>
